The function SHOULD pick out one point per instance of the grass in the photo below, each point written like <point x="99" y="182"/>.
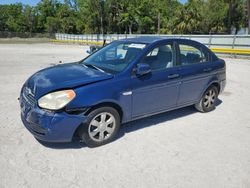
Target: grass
<point x="23" y="40"/>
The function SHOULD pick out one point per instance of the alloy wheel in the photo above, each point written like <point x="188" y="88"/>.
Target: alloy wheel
<point x="209" y="98"/>
<point x="102" y="127"/>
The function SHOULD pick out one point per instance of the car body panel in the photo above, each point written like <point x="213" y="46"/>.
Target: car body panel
<point x="65" y="76"/>
<point x="48" y="126"/>
<point x="107" y="91"/>
<point x="193" y="80"/>
<point x="155" y="89"/>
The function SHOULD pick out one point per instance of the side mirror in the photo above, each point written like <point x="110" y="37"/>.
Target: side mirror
<point x="92" y="49"/>
<point x="142" y="69"/>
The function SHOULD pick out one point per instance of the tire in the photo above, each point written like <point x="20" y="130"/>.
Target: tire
<point x="101" y="127"/>
<point x="207" y="102"/>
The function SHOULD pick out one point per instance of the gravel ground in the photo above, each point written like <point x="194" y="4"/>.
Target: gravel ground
<point x="182" y="148"/>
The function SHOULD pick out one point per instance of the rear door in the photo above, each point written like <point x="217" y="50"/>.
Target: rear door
<point x="195" y="71"/>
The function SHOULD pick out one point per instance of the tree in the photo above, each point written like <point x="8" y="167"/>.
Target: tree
<point x="52" y="24"/>
<point x="166" y="12"/>
<point x="145" y="16"/>
<point x="214" y="16"/>
<point x="116" y="8"/>
<point x="90" y="12"/>
<point x="239" y="16"/>
<point x="67" y="18"/>
<point x="13" y="15"/>
<point x="3" y="17"/>
<point x="189" y="19"/>
<point x="29" y="18"/>
<point x="248" y="10"/>
<point x="236" y="15"/>
<point x="126" y="16"/>
<point x="46" y="9"/>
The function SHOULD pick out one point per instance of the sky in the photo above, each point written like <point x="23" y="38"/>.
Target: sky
<point x="34" y="2"/>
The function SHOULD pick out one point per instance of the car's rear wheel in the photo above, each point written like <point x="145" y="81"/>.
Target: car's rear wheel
<point x="207" y="102"/>
<point x="101" y="127"/>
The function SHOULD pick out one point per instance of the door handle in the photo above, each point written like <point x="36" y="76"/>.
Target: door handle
<point x="207" y="69"/>
<point x="172" y="76"/>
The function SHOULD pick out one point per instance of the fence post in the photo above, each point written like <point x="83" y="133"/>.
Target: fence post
<point x="210" y="40"/>
<point x="233" y="41"/>
<point x="234" y="55"/>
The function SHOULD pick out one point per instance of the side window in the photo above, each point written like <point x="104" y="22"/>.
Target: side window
<point x="191" y="55"/>
<point x="160" y="58"/>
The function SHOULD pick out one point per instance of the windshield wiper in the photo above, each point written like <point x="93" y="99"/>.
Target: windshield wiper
<point x="93" y="66"/>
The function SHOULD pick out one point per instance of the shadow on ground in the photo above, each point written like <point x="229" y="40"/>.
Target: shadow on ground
<point x="133" y="126"/>
<point x="75" y="144"/>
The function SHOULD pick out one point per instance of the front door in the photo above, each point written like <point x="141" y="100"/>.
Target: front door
<point x="158" y="90"/>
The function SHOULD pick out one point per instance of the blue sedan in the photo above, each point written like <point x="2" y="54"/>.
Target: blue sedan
<point x="126" y="80"/>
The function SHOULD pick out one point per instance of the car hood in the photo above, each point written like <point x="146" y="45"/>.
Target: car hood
<point x="63" y="76"/>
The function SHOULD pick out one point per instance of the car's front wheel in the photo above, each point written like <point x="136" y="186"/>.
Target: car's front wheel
<point x="207" y="102"/>
<point x="101" y="127"/>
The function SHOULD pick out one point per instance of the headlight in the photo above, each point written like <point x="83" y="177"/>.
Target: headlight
<point x="56" y="100"/>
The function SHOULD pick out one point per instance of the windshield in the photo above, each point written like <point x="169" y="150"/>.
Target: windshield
<point x="114" y="57"/>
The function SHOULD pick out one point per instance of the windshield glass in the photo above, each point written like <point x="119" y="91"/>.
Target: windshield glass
<point x="115" y="57"/>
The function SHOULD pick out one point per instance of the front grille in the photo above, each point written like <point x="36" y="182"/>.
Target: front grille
<point x="31" y="99"/>
<point x="27" y="94"/>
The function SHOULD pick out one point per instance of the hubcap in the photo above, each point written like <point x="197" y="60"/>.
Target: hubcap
<point x="102" y="126"/>
<point x="209" y="98"/>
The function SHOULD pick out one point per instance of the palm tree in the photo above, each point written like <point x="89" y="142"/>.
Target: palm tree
<point x="189" y="18"/>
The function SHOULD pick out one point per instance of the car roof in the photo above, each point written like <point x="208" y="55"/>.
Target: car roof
<point x="144" y="39"/>
<point x="155" y="39"/>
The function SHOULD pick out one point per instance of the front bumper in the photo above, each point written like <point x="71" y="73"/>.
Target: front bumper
<point x="49" y="126"/>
